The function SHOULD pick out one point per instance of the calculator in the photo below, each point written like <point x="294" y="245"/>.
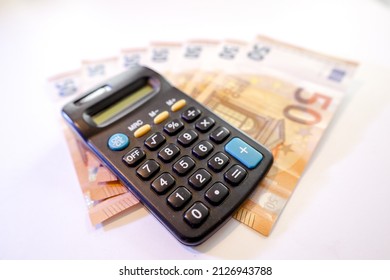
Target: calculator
<point x="188" y="166"/>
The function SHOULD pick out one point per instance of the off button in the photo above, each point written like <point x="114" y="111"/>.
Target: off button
<point x="118" y="142"/>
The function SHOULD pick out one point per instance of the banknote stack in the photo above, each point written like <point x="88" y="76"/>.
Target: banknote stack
<point x="281" y="95"/>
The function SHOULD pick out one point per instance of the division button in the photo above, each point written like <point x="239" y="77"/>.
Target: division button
<point x="161" y="117"/>
<point x="202" y="149"/>
<point x="235" y="175"/>
<point x="118" y="142"/>
<point x="218" y="162"/>
<point x="196" y="215"/>
<point x="148" y="169"/>
<point x="163" y="183"/>
<point x="220" y="134"/>
<point x="133" y="157"/>
<point x="179" y="198"/>
<point x="243" y="152"/>
<point x="173" y="127"/>
<point x="217" y="193"/>
<point x="178" y="105"/>
<point x="154" y="141"/>
<point x="199" y="179"/>
<point x="187" y="137"/>
<point x="205" y="124"/>
<point x="168" y="153"/>
<point x="184" y="165"/>
<point x="191" y="114"/>
<point x="142" y="130"/>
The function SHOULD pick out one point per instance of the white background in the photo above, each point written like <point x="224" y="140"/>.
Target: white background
<point x="340" y="208"/>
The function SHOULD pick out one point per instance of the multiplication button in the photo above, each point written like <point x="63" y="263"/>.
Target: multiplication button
<point x="133" y="157"/>
<point x="205" y="124"/>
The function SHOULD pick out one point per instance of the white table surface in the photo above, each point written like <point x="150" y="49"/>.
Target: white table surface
<point x="341" y="206"/>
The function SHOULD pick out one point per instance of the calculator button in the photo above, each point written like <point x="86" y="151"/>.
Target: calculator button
<point x="220" y="134"/>
<point x="205" y="124"/>
<point x="217" y="193"/>
<point x="173" y="127"/>
<point x="142" y="130"/>
<point x="243" y="152"/>
<point x="203" y="149"/>
<point x="163" y="183"/>
<point x="179" y="198"/>
<point x="187" y="137"/>
<point x="161" y="117"/>
<point x="191" y="114"/>
<point x="235" y="175"/>
<point x="168" y="153"/>
<point x="199" y="179"/>
<point x="178" y="105"/>
<point x="133" y="157"/>
<point x="218" y="162"/>
<point x="154" y="141"/>
<point x="196" y="215"/>
<point x="184" y="165"/>
<point x="148" y="169"/>
<point x="118" y="142"/>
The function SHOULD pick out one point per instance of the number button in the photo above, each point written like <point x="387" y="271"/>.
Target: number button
<point x="173" y="127"/>
<point x="163" y="183"/>
<point x="199" y="179"/>
<point x="168" y="153"/>
<point x="218" y="162"/>
<point x="179" y="198"/>
<point x="148" y="169"/>
<point x="184" y="165"/>
<point x="154" y="141"/>
<point x="187" y="138"/>
<point x="203" y="149"/>
<point x="133" y="157"/>
<point x="220" y="134"/>
<point x="235" y="175"/>
<point x="191" y="114"/>
<point x="196" y="215"/>
<point x="205" y="124"/>
<point x="217" y="193"/>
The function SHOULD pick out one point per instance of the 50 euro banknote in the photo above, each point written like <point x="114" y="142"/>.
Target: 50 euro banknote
<point x="281" y="95"/>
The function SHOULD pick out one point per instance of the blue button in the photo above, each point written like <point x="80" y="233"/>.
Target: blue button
<point x="243" y="152"/>
<point x="118" y="142"/>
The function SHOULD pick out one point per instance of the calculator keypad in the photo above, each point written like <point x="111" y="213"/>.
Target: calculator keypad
<point x="204" y="180"/>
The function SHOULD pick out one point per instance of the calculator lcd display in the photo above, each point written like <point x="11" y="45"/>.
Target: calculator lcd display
<point x="121" y="105"/>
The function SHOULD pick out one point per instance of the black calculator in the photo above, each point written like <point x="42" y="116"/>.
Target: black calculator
<point x="188" y="166"/>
